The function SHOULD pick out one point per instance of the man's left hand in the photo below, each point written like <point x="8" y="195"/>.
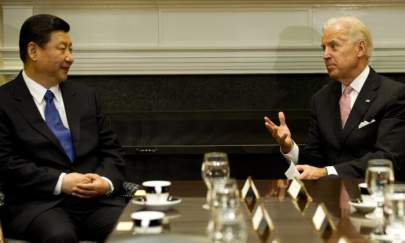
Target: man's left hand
<point x="96" y="188"/>
<point x="308" y="172"/>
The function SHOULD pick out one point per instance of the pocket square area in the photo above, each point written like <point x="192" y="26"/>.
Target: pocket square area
<point x="366" y="123"/>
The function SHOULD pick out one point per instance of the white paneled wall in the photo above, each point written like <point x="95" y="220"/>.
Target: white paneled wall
<point x="210" y="36"/>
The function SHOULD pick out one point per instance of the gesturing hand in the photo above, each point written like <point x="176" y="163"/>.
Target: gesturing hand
<point x="280" y="133"/>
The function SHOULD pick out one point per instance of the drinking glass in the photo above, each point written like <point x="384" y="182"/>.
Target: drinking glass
<point x="394" y="211"/>
<point x="379" y="174"/>
<point x="229" y="226"/>
<point x="225" y="195"/>
<point x="214" y="170"/>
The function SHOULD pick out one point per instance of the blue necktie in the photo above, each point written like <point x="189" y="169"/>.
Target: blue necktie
<point x="54" y="123"/>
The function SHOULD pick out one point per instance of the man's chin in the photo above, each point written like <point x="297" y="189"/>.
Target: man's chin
<point x="333" y="74"/>
<point x="63" y="77"/>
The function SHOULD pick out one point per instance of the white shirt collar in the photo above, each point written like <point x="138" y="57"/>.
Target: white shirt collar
<point x="38" y="91"/>
<point x="359" y="81"/>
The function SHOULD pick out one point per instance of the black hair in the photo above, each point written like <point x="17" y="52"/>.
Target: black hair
<point x="38" y="29"/>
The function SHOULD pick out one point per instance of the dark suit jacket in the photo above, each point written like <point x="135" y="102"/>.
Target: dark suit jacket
<point x="349" y="149"/>
<point x="31" y="158"/>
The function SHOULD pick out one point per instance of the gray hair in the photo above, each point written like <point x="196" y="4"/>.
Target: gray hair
<point x="357" y="29"/>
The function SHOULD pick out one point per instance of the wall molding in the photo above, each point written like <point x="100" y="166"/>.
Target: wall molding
<point x="203" y="36"/>
<point x="187" y="3"/>
<point x="126" y="62"/>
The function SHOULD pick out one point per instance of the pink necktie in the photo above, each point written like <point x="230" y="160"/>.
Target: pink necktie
<point x="344" y="104"/>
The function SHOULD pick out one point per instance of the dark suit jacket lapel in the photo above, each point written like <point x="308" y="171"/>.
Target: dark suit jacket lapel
<point x="334" y="115"/>
<point x="362" y="104"/>
<point x="329" y="114"/>
<point x="30" y="112"/>
<point x="72" y="106"/>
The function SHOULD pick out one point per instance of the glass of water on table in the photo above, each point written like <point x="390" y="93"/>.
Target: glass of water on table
<point x="379" y="174"/>
<point x="214" y="169"/>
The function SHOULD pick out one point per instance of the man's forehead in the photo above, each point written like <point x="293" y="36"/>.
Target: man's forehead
<point x="335" y="34"/>
<point x="60" y="36"/>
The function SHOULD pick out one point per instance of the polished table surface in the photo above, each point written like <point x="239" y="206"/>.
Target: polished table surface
<point x="188" y="221"/>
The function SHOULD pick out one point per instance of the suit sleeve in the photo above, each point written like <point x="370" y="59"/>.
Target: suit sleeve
<point x="389" y="143"/>
<point x="16" y="169"/>
<point x="109" y="150"/>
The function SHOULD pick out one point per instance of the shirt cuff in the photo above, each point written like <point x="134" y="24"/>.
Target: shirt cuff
<point x="293" y="154"/>
<point x="109" y="183"/>
<point x="331" y="170"/>
<point x="58" y="188"/>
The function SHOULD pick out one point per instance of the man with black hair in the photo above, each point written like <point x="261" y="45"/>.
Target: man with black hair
<point x="60" y="162"/>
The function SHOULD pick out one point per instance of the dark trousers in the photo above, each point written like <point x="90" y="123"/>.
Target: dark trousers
<point x="74" y="220"/>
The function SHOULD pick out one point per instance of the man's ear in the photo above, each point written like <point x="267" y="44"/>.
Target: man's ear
<point x="33" y="51"/>
<point x="362" y="49"/>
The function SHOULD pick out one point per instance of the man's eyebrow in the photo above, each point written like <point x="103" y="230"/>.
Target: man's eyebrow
<point x="331" y="42"/>
<point x="65" y="43"/>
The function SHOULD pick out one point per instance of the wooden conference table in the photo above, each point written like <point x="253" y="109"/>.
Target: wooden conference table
<point x="188" y="221"/>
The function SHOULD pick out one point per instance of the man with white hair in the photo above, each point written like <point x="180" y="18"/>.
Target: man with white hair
<point x="358" y="116"/>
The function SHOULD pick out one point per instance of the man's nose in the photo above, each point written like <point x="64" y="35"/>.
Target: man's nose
<point x="326" y="53"/>
<point x="69" y="57"/>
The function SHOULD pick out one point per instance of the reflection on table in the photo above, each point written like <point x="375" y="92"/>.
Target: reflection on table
<point x="187" y="222"/>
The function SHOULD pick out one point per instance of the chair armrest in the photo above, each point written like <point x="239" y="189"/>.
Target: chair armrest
<point x="129" y="189"/>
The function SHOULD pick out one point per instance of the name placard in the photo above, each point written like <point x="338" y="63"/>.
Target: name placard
<point x="262" y="223"/>
<point x="299" y="194"/>
<point x="301" y="205"/>
<point x="250" y="194"/>
<point x="295" y="188"/>
<point x="323" y="222"/>
<point x="292" y="171"/>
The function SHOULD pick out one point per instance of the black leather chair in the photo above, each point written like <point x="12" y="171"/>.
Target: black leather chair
<point x="128" y="193"/>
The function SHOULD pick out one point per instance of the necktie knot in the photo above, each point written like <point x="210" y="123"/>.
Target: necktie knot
<point x="347" y="90"/>
<point x="49" y="96"/>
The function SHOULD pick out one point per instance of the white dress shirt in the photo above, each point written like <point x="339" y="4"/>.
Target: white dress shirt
<point x="356" y="85"/>
<point x="38" y="92"/>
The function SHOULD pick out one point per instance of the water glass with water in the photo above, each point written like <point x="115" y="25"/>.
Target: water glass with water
<point x="225" y="195"/>
<point x="229" y="226"/>
<point x="379" y="174"/>
<point x="394" y="211"/>
<point x="214" y="170"/>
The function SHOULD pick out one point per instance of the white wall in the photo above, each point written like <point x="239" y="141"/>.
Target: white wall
<point x="204" y="36"/>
